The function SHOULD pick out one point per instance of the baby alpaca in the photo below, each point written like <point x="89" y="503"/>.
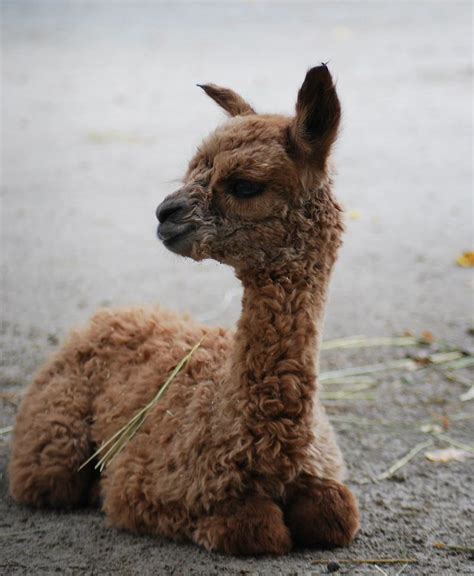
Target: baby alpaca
<point x="238" y="456"/>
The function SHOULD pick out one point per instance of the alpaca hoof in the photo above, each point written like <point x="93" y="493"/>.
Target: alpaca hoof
<point x="254" y="527"/>
<point x="325" y="516"/>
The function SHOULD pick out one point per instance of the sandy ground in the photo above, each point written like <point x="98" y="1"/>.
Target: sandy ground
<point x="100" y="115"/>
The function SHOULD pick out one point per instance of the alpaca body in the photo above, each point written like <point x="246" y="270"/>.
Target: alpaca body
<point x="193" y="451"/>
<point x="238" y="455"/>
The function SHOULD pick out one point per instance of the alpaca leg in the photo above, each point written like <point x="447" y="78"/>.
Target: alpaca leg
<point x="51" y="441"/>
<point x="252" y="526"/>
<point x="322" y="513"/>
<point x="131" y="501"/>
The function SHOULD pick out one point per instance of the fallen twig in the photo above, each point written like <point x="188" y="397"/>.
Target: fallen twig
<point x="6" y="430"/>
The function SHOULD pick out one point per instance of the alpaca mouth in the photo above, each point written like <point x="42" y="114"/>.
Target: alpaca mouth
<point x="176" y="237"/>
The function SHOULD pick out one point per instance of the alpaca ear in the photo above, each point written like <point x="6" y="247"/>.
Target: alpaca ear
<point x="232" y="103"/>
<point x="318" y="112"/>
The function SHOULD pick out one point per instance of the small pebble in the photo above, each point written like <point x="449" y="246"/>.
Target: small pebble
<point x="333" y="566"/>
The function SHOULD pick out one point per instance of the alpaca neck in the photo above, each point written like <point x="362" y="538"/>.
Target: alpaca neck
<point x="276" y="344"/>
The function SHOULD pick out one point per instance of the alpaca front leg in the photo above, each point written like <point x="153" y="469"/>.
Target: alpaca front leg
<point x="254" y="525"/>
<point x="322" y="513"/>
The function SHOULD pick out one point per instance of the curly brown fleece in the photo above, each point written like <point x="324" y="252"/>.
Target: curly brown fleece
<point x="238" y="456"/>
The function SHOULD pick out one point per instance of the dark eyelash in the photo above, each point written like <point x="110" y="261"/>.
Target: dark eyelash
<point x="241" y="188"/>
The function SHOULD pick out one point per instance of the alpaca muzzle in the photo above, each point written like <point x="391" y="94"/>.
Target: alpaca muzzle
<point x="175" y="228"/>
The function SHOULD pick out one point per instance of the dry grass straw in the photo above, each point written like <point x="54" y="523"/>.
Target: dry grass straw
<point x="12" y="398"/>
<point x="366" y="375"/>
<point x="395" y="467"/>
<point x="338" y="375"/>
<point x="454" y="548"/>
<point x="462" y="361"/>
<point x="461" y="445"/>
<point x="368" y="561"/>
<point x="114" y="445"/>
<point x="364" y="342"/>
<point x="357" y="392"/>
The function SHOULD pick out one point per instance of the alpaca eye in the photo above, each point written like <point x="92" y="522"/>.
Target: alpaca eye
<point x="245" y="188"/>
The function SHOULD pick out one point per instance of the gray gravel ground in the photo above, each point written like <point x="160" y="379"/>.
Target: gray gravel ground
<point x="99" y="117"/>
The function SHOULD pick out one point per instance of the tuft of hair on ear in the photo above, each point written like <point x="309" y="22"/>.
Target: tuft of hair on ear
<point x="227" y="99"/>
<point x="318" y="114"/>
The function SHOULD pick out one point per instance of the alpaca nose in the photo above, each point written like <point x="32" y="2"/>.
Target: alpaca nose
<point x="171" y="206"/>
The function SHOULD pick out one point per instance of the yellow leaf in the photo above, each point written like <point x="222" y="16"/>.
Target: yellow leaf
<point x="427" y="337"/>
<point x="447" y="455"/>
<point x="354" y="215"/>
<point x="466" y="260"/>
<point x="431" y="428"/>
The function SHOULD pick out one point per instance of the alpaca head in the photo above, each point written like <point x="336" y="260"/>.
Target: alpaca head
<point x="256" y="193"/>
